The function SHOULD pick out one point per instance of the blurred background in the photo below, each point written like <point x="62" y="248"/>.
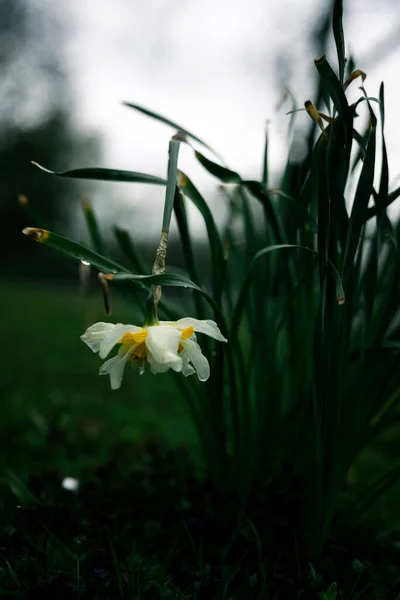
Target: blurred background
<point x="218" y="68"/>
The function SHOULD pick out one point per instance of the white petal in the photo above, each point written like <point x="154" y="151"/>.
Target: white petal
<point x="162" y="344"/>
<point x="208" y="327"/>
<point x="113" y="337"/>
<point x="94" y="335"/>
<point x="187" y="368"/>
<point x="156" y="367"/>
<point x="115" y="368"/>
<point x="197" y="358"/>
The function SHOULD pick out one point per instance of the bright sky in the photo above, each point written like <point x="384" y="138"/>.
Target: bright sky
<point x="211" y="66"/>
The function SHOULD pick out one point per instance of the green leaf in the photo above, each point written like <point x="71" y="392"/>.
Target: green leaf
<point x="373" y="210"/>
<point x="222" y="173"/>
<point x="93" y="227"/>
<point x="245" y="290"/>
<point x="158" y="117"/>
<point x="106" y="175"/>
<point x="186" y="241"/>
<point x="172" y="279"/>
<point x="359" y="210"/>
<point x="340" y="295"/>
<point x="337" y="25"/>
<point x="128" y="248"/>
<point x="265" y="161"/>
<point x="173" y="152"/>
<point x="384" y="182"/>
<point x="256" y="188"/>
<point x="335" y="91"/>
<point x="190" y="191"/>
<point x="74" y="250"/>
<point x="338" y="164"/>
<point x="330" y="594"/>
<point x="381" y="199"/>
<point x="323" y="200"/>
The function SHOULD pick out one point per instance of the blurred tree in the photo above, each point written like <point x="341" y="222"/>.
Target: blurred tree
<point x="36" y="102"/>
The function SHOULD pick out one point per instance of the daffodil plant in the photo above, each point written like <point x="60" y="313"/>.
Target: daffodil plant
<point x="163" y="345"/>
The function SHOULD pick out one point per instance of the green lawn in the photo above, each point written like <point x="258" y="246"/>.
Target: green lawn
<point x="54" y="406"/>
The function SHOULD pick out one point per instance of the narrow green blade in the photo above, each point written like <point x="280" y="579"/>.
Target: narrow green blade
<point x="190" y="191"/>
<point x="245" y="290"/>
<point x="73" y="249"/>
<point x="222" y="173"/>
<point x="167" y="121"/>
<point x="359" y="210"/>
<point x="106" y="175"/>
<point x="93" y="227"/>
<point x="127" y="246"/>
<point x="335" y="90"/>
<point x="337" y="25"/>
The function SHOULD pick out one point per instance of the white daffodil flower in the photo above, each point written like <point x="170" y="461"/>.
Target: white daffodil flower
<point x="168" y="345"/>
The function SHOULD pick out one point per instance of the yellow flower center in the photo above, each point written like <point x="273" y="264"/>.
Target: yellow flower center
<point x="185" y="335"/>
<point x="136" y="342"/>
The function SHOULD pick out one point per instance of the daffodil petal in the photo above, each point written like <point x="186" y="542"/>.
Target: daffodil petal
<point x="187" y="368"/>
<point x="197" y="358"/>
<point x="162" y="344"/>
<point x="207" y="327"/>
<point x="95" y="334"/>
<point x="115" y="368"/>
<point x="156" y="367"/>
<point x="113" y="337"/>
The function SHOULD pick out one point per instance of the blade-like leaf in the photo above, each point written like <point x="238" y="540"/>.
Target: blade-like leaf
<point x="222" y="173"/>
<point x="244" y="292"/>
<point x="106" y="175"/>
<point x="158" y="117"/>
<point x="190" y="191"/>
<point x="93" y="227"/>
<point x="173" y="153"/>
<point x="335" y="91"/>
<point x="171" y="279"/>
<point x="265" y="161"/>
<point x="187" y="245"/>
<point x="372" y="211"/>
<point x="128" y="248"/>
<point x="337" y="26"/>
<point x="360" y="205"/>
<point x="73" y="250"/>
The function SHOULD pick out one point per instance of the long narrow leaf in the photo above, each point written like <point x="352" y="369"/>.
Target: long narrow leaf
<point x="337" y="26"/>
<point x="167" y="121"/>
<point x="72" y="249"/>
<point x="245" y="290"/>
<point x="93" y="227"/>
<point x="224" y="174"/>
<point x="101" y="174"/>
<point x="190" y="191"/>
<point x="128" y="248"/>
<point x="335" y="91"/>
<point x="359" y="210"/>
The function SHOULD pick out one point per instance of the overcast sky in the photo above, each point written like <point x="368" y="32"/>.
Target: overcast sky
<point x="211" y="66"/>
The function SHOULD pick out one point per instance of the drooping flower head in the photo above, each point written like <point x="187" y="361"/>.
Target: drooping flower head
<point x="167" y="345"/>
